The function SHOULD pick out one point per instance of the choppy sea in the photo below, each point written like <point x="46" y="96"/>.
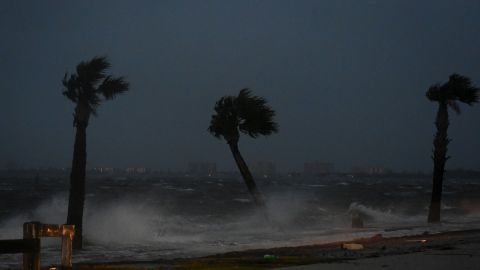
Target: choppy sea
<point x="142" y="219"/>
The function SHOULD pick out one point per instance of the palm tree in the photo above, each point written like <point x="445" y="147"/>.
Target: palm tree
<point x="458" y="88"/>
<point x="247" y="114"/>
<point x="88" y="88"/>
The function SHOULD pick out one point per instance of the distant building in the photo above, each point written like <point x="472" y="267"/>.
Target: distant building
<point x="372" y="170"/>
<point x="377" y="170"/>
<point x="264" y="168"/>
<point x="137" y="170"/>
<point x="317" y="167"/>
<point x="104" y="170"/>
<point x="202" y="168"/>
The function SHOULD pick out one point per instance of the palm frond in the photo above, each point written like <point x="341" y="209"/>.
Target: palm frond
<point x="458" y="88"/>
<point x="70" y="87"/>
<point x="463" y="89"/>
<point x="244" y="113"/>
<point x="84" y="86"/>
<point x="434" y="93"/>
<point x="111" y="87"/>
<point x="225" y="121"/>
<point x="93" y="71"/>
<point x="255" y="114"/>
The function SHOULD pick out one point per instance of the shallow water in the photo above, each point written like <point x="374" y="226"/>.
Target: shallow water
<point x="143" y="219"/>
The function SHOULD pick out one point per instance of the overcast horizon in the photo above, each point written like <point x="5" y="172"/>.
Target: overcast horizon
<point x="346" y="78"/>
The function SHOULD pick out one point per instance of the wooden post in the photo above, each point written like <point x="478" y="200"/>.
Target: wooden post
<point x="31" y="260"/>
<point x="68" y="232"/>
<point x="51" y="230"/>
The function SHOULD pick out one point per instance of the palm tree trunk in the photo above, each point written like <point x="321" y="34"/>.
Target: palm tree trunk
<point x="440" y="144"/>
<point x="247" y="176"/>
<point x="77" y="184"/>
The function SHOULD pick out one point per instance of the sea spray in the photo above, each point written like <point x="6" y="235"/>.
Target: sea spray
<point x="139" y="219"/>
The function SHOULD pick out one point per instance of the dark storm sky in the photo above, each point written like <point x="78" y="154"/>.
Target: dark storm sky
<point x="347" y="79"/>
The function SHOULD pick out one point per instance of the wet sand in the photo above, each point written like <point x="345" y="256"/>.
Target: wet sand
<point x="464" y="255"/>
<point x="458" y="249"/>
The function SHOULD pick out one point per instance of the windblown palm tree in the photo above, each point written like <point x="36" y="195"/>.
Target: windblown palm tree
<point x="458" y="88"/>
<point x="88" y="88"/>
<point x="247" y="114"/>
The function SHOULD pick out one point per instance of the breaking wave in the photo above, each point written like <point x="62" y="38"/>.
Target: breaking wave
<point x="151" y="226"/>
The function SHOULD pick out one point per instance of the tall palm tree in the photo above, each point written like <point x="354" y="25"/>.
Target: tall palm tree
<point x="247" y="114"/>
<point x="458" y="88"/>
<point x="87" y="88"/>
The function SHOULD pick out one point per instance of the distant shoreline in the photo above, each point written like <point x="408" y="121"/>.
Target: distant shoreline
<point x="40" y="173"/>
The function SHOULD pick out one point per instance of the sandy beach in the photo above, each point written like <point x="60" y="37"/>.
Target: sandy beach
<point x="458" y="256"/>
<point x="465" y="257"/>
<point x="456" y="249"/>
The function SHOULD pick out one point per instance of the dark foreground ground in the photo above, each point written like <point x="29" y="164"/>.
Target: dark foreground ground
<point x="460" y="250"/>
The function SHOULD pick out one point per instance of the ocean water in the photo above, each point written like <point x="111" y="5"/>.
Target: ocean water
<point x="141" y="219"/>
